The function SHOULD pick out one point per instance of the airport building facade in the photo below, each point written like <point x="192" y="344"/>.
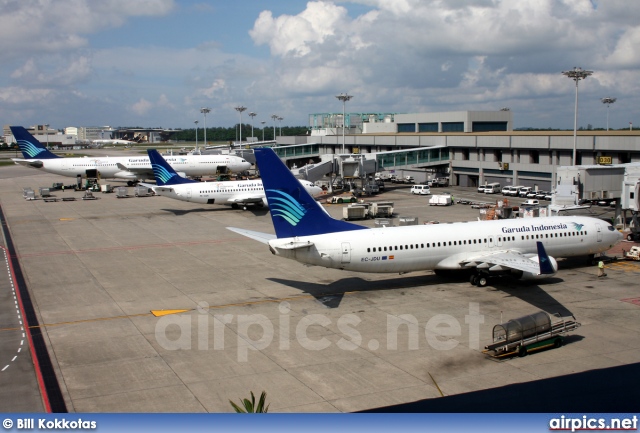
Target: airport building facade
<point x="485" y="150"/>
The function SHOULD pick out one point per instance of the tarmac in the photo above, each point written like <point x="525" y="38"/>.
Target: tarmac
<point x="315" y="339"/>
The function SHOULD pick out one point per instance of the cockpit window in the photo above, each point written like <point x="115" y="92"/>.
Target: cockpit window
<point x="611" y="229"/>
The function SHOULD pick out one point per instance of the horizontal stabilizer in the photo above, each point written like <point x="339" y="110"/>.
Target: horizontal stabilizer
<point x="256" y="236"/>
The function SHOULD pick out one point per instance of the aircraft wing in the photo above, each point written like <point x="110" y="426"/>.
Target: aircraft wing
<point x="246" y="198"/>
<point x="257" y="236"/>
<point x="504" y="260"/>
<point x="28" y="162"/>
<point x="154" y="187"/>
<point x="137" y="170"/>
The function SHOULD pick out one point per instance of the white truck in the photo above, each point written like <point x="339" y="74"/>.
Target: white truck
<point x="440" y="200"/>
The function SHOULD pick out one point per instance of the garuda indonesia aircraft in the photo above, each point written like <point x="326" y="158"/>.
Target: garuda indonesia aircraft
<point x="305" y="232"/>
<point x="130" y="168"/>
<point x="234" y="193"/>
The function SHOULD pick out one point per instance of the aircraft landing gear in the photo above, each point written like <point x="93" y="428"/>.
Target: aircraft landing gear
<point x="234" y="206"/>
<point x="479" y="280"/>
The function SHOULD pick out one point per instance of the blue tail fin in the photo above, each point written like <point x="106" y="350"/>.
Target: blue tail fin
<point x="545" y="264"/>
<point x="293" y="211"/>
<point x="30" y="147"/>
<point x="163" y="172"/>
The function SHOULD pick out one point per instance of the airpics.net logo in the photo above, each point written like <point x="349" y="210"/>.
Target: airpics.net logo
<point x="161" y="173"/>
<point x="284" y="329"/>
<point x="285" y="206"/>
<point x="29" y="148"/>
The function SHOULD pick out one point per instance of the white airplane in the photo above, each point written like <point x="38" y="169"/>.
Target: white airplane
<point x="112" y="141"/>
<point x="131" y="168"/>
<point x="520" y="247"/>
<point x="234" y="193"/>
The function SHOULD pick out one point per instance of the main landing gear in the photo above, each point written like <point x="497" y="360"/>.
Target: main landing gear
<point x="479" y="279"/>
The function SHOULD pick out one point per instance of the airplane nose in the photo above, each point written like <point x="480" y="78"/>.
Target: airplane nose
<point x="316" y="191"/>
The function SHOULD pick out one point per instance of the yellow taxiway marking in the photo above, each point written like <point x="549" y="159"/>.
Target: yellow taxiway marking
<point x="67" y="219"/>
<point x="159" y="313"/>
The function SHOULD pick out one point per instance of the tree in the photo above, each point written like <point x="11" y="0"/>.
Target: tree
<point x="250" y="405"/>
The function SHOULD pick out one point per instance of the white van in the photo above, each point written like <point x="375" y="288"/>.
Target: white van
<point x="524" y="191"/>
<point x="492" y="188"/>
<point x="421" y="189"/>
<point x="513" y="190"/>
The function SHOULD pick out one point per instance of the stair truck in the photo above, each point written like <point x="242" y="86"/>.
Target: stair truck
<point x="530" y="333"/>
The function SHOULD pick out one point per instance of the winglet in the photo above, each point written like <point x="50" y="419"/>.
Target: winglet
<point x="293" y="211"/>
<point x="29" y="146"/>
<point x="546" y="268"/>
<point x="163" y="172"/>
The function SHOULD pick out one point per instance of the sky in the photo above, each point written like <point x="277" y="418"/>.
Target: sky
<point x="155" y="63"/>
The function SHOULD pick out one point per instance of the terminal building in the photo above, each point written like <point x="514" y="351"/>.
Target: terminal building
<point x="471" y="148"/>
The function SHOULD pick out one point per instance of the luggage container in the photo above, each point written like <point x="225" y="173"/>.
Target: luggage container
<point x="381" y="209"/>
<point x="408" y="221"/>
<point x="355" y="212"/>
<point x="383" y="222"/>
<point x="105" y="188"/>
<point x="122" y="192"/>
<point x="142" y="191"/>
<point x="45" y="192"/>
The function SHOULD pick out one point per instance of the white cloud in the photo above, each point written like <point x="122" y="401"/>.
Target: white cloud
<point x="141" y="107"/>
<point x="50" y="26"/>
<point x="404" y="55"/>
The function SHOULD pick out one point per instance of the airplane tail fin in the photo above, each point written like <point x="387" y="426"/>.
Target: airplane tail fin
<point x="546" y="268"/>
<point x="163" y="172"/>
<point x="293" y="211"/>
<point x="29" y="146"/>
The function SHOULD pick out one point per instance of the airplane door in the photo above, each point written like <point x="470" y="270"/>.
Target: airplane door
<point x="499" y="241"/>
<point x="346" y="252"/>
<point x="599" y="232"/>
<point x="188" y="192"/>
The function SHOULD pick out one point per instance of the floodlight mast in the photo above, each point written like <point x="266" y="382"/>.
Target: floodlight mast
<point x="576" y="74"/>
<point x="344" y="97"/>
<point x="196" y="122"/>
<point x="240" y="109"/>
<point x="608" y="101"/>
<point x="252" y="115"/>
<point x="274" y="117"/>
<point x="204" y="111"/>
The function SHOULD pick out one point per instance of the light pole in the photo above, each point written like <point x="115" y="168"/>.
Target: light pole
<point x="252" y="115"/>
<point x="608" y="101"/>
<point x="196" y="122"/>
<point x="344" y="98"/>
<point x="576" y="74"/>
<point x="204" y="111"/>
<point x="274" y="117"/>
<point x="47" y="132"/>
<point x="240" y="109"/>
<point x="263" y="122"/>
<point x="280" y="119"/>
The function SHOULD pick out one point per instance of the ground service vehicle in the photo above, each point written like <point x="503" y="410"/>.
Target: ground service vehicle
<point x="421" y="189"/>
<point x="492" y="188"/>
<point x="529" y="333"/>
